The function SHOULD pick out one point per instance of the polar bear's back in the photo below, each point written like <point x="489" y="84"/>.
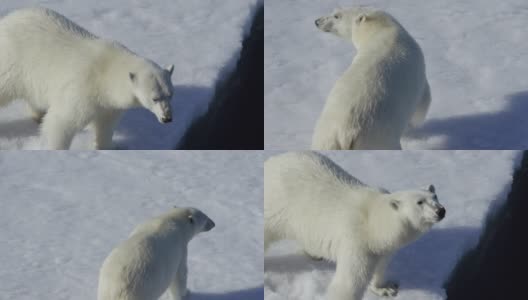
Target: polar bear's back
<point x="299" y="180"/>
<point x="35" y="37"/>
<point x="39" y="22"/>
<point x="310" y="199"/>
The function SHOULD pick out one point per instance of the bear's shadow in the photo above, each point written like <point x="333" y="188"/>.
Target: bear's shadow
<point x="416" y="265"/>
<point x="20" y="128"/>
<point x="255" y="293"/>
<point x="503" y="130"/>
<point x="140" y="125"/>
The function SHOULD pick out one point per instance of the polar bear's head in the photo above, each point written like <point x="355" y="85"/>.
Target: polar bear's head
<point x="193" y="219"/>
<point x="357" y="24"/>
<point x="420" y="207"/>
<point x="152" y="87"/>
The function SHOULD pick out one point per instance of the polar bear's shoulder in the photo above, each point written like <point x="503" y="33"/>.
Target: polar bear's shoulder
<point x="148" y="227"/>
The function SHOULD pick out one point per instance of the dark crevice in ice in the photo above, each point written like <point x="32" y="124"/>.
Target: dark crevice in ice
<point x="235" y="117"/>
<point x="496" y="267"/>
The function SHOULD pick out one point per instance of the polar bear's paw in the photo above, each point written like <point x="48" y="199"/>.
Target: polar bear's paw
<point x="389" y="289"/>
<point x="313" y="257"/>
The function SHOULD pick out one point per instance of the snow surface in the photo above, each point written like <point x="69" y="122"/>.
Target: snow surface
<point x="470" y="184"/>
<point x="63" y="212"/>
<point x="476" y="58"/>
<point x="202" y="39"/>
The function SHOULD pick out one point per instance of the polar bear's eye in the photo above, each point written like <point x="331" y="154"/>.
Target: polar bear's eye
<point x="337" y="16"/>
<point x="420" y="202"/>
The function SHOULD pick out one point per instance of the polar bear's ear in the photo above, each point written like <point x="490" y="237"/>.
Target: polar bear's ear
<point x="170" y="69"/>
<point x="430" y="188"/>
<point x="361" y="18"/>
<point x="395" y="204"/>
<point x="132" y="76"/>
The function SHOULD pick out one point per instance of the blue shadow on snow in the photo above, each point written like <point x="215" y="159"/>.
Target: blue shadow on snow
<point x="256" y="293"/>
<point x="502" y="130"/>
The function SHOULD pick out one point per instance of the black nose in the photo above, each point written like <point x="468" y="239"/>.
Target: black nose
<point x="166" y="119"/>
<point x="209" y="225"/>
<point x="441" y="213"/>
<point x="317" y="22"/>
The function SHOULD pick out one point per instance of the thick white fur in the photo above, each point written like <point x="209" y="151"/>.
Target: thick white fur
<point x="330" y="214"/>
<point x="382" y="92"/>
<point x="71" y="78"/>
<point x="153" y="259"/>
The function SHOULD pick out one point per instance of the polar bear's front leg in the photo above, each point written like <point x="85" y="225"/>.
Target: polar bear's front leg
<point x="353" y="273"/>
<point x="36" y="114"/>
<point x="104" y="124"/>
<point x="178" y="287"/>
<point x="378" y="284"/>
<point x="58" y="128"/>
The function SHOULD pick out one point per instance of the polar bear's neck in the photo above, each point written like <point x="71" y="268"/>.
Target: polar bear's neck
<point x="115" y="63"/>
<point x="163" y="228"/>
<point x="387" y="230"/>
<point x="384" y="44"/>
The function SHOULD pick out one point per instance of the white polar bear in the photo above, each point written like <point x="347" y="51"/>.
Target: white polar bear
<point x="71" y="78"/>
<point x="332" y="215"/>
<point x="382" y="92"/>
<point x="153" y="259"/>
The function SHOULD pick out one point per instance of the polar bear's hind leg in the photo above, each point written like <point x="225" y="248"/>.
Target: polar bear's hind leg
<point x="422" y="108"/>
<point x="36" y="114"/>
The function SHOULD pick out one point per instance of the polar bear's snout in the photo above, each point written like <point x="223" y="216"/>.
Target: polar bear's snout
<point x="209" y="225"/>
<point x="163" y="111"/>
<point x="440" y="213"/>
<point x="323" y="24"/>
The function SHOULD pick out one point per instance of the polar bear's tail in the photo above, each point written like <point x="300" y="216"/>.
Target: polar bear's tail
<point x="423" y="106"/>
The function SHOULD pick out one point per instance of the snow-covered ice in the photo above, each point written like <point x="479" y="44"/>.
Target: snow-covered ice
<point x="470" y="184"/>
<point x="62" y="213"/>
<point x="202" y="39"/>
<point x="476" y="57"/>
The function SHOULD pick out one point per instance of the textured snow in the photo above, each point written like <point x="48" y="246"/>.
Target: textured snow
<point x="475" y="54"/>
<point x="202" y="39"/>
<point x="470" y="184"/>
<point x="62" y="214"/>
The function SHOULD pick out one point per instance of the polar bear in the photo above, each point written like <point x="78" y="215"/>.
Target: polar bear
<point x="382" y="93"/>
<point x="332" y="215"/>
<point x="153" y="259"/>
<point x="70" y="78"/>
